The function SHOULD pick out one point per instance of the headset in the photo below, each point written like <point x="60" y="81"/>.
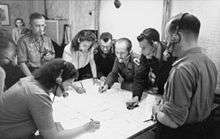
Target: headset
<point x="59" y="81"/>
<point x="176" y="37"/>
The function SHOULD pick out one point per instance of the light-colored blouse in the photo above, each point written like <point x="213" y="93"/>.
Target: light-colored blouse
<point x="77" y="58"/>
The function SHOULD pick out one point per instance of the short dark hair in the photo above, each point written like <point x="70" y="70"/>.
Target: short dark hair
<point x="128" y="41"/>
<point x="83" y="35"/>
<point x="106" y="36"/>
<point x="4" y="44"/>
<point x="35" y="15"/>
<point x="186" y="22"/>
<point x="150" y="34"/>
<point x="48" y="73"/>
<point x="23" y="24"/>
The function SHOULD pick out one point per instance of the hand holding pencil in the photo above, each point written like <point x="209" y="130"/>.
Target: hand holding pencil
<point x="79" y="90"/>
<point x="92" y="126"/>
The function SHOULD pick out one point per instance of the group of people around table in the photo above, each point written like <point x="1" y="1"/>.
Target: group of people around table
<point x="178" y="70"/>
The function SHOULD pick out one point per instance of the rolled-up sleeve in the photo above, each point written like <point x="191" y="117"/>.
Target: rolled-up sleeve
<point x="178" y="93"/>
<point x="22" y="51"/>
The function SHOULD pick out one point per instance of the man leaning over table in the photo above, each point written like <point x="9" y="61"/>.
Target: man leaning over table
<point x="123" y="67"/>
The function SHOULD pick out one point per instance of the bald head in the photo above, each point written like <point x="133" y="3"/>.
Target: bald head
<point x="124" y="42"/>
<point x="122" y="49"/>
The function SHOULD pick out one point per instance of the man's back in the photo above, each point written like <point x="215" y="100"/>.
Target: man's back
<point x="190" y="87"/>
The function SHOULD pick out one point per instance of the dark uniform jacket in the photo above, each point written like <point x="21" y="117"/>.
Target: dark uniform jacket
<point x="104" y="62"/>
<point x="141" y="78"/>
<point x="125" y="70"/>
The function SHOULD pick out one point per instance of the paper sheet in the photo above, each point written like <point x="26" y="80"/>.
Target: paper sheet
<point x="109" y="108"/>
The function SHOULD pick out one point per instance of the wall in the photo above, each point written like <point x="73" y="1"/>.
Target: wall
<point x="209" y="14"/>
<point x="131" y="18"/>
<point x="76" y="11"/>
<point x="17" y="8"/>
<point x="83" y="15"/>
<point x="58" y="9"/>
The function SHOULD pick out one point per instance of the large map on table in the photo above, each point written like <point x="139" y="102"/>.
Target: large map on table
<point x="109" y="108"/>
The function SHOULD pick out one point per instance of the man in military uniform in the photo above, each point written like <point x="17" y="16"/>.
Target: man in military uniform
<point x="152" y="72"/>
<point x="123" y="66"/>
<point x="35" y="48"/>
<point x="104" y="56"/>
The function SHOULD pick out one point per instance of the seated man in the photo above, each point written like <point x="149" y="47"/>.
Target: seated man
<point x="152" y="71"/>
<point x="35" y="48"/>
<point x="123" y="66"/>
<point x="104" y="56"/>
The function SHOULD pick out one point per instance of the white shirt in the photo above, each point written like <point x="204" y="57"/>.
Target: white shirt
<point x="77" y="58"/>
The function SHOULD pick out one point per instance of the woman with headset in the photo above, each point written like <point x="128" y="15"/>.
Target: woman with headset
<point x="27" y="107"/>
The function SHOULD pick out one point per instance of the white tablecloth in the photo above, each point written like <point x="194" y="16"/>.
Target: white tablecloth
<point x="109" y="108"/>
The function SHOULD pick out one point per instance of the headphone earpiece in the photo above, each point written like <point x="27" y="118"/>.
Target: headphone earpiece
<point x="59" y="79"/>
<point x="175" y="38"/>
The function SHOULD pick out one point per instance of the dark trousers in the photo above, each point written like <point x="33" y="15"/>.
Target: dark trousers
<point x="201" y="130"/>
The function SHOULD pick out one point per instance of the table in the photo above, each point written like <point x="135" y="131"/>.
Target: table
<point x="109" y="108"/>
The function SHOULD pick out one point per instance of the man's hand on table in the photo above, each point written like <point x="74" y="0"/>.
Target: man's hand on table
<point x="103" y="88"/>
<point x="156" y="108"/>
<point x="102" y="79"/>
<point x="80" y="90"/>
<point x="131" y="104"/>
<point x="92" y="126"/>
<point x="96" y="81"/>
<point x="59" y="127"/>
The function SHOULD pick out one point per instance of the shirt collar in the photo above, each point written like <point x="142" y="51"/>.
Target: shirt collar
<point x="187" y="52"/>
<point x="34" y="39"/>
<point x="127" y="60"/>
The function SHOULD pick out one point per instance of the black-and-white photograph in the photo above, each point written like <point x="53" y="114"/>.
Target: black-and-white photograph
<point x="109" y="69"/>
<point x="4" y="14"/>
